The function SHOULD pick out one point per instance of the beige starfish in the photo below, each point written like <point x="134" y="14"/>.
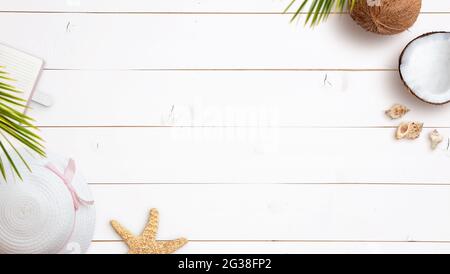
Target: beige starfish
<point x="146" y="243"/>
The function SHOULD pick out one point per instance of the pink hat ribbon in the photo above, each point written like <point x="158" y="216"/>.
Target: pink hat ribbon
<point x="67" y="177"/>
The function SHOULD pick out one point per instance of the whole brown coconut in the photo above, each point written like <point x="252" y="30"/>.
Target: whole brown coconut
<point x="386" y="17"/>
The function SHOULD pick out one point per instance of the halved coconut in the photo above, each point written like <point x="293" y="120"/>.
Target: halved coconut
<point x="425" y="67"/>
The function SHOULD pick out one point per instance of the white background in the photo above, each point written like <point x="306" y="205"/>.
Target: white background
<point x="249" y="134"/>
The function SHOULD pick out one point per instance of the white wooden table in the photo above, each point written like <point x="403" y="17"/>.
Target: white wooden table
<point x="249" y="134"/>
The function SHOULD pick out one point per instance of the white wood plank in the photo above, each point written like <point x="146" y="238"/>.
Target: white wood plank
<point x="251" y="155"/>
<point x="228" y="98"/>
<point x="289" y="248"/>
<point x="279" y="212"/>
<point x="171" y="6"/>
<point x="110" y="41"/>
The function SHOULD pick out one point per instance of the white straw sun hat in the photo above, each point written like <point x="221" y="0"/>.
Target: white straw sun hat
<point x="50" y="211"/>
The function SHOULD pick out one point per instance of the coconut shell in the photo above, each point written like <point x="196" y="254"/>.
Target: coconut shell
<point x="386" y="17"/>
<point x="401" y="62"/>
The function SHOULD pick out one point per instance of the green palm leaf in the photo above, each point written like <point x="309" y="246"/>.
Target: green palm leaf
<point x="319" y="10"/>
<point x="16" y="128"/>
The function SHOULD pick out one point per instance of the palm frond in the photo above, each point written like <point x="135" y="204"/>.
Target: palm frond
<point x="319" y="10"/>
<point x="15" y="126"/>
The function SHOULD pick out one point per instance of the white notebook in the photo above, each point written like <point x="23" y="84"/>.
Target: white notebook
<point x="23" y="68"/>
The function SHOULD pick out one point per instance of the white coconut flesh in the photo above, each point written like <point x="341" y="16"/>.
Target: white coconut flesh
<point x="425" y="67"/>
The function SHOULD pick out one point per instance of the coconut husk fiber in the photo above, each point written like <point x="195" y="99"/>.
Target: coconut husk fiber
<point x="386" y="17"/>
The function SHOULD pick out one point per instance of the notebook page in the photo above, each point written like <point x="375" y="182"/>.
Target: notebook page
<point x="21" y="67"/>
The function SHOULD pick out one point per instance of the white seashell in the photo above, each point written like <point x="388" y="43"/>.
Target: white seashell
<point x="435" y="138"/>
